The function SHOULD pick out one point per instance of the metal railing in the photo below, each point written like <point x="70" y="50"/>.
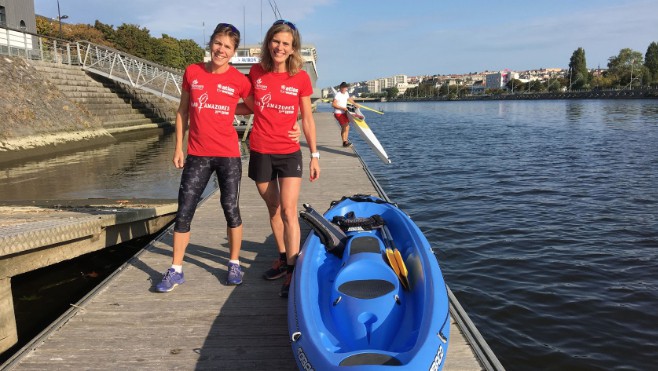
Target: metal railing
<point x="101" y="60"/>
<point x="136" y="72"/>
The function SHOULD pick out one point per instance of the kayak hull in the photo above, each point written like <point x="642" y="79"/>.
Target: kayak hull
<point x="359" y="123"/>
<point x="353" y="310"/>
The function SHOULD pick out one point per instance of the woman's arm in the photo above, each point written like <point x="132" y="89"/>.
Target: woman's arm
<point x="246" y="107"/>
<point x="308" y="123"/>
<point x="182" y="117"/>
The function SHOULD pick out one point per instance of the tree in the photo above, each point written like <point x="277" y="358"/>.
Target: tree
<point x="444" y="90"/>
<point x="136" y="41"/>
<point x="514" y="85"/>
<point x="46" y="27"/>
<point x="651" y="61"/>
<point x="107" y="30"/>
<point x="627" y="67"/>
<point x="191" y="52"/>
<point x="392" y="93"/>
<point x="578" y="73"/>
<point x="77" y="32"/>
<point x="167" y="52"/>
<point x="536" y="85"/>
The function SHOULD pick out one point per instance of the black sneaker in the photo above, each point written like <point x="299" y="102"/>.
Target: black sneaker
<point x="286" y="285"/>
<point x="278" y="270"/>
<point x="347" y="143"/>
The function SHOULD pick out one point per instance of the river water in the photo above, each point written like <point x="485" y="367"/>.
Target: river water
<point x="543" y="215"/>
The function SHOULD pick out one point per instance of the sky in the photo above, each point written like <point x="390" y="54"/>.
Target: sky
<point x="360" y="40"/>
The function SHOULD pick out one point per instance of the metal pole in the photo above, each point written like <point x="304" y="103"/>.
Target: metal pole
<point x="59" y="18"/>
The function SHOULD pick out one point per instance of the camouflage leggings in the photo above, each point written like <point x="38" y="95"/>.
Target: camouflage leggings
<point x="195" y="177"/>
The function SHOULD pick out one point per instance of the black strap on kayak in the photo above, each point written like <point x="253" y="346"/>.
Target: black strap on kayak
<point x="351" y="223"/>
<point x="332" y="237"/>
<point x="363" y="198"/>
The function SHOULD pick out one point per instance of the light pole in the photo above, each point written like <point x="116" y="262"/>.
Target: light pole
<point x="59" y="18"/>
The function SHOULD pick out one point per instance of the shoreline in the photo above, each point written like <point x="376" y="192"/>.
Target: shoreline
<point x="29" y="147"/>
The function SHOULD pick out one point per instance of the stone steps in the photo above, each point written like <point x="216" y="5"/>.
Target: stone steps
<point x="103" y="98"/>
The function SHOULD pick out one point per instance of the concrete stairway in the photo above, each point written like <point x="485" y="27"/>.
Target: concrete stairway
<point x="119" y="108"/>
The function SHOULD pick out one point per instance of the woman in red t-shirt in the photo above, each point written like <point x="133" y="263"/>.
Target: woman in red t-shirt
<point x="281" y="90"/>
<point x="209" y="101"/>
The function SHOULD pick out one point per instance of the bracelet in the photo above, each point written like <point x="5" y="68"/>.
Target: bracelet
<point x="315" y="155"/>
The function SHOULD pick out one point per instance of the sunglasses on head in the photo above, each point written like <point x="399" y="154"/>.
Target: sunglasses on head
<point x="287" y="23"/>
<point x="229" y="26"/>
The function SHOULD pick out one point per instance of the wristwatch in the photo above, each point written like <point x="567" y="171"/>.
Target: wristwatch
<point x="315" y="155"/>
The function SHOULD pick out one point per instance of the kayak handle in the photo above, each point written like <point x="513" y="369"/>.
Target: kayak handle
<point x="295" y="336"/>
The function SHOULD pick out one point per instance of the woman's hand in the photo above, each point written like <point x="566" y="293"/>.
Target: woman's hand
<point x="314" y="169"/>
<point x="295" y="134"/>
<point x="179" y="159"/>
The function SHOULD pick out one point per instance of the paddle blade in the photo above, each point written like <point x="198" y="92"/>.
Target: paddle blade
<point x="390" y="257"/>
<point x="402" y="268"/>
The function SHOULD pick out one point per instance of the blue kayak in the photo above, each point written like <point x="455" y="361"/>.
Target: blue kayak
<point x="367" y="292"/>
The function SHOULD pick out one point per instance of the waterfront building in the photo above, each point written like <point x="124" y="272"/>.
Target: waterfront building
<point x="18" y="14"/>
<point x="374" y="86"/>
<point x="499" y="80"/>
<point x="16" y="18"/>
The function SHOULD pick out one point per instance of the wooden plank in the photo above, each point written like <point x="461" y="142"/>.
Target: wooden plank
<point x="205" y="324"/>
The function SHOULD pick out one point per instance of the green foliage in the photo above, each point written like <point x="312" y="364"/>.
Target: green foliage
<point x="136" y="41"/>
<point x="578" y="73"/>
<point x="651" y="62"/>
<point x="515" y="85"/>
<point x="392" y="93"/>
<point x="46" y="26"/>
<point x="128" y="38"/>
<point x="626" y="68"/>
<point x="191" y="52"/>
<point x="536" y="86"/>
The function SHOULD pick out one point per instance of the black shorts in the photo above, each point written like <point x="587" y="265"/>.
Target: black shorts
<point x="265" y="168"/>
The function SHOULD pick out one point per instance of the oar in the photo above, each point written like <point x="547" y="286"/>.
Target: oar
<point x="395" y="259"/>
<point x="370" y="109"/>
<point x="402" y="267"/>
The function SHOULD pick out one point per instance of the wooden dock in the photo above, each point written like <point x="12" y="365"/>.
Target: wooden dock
<point x="204" y="324"/>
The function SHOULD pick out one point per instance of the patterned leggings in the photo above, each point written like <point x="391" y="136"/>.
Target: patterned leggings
<point x="195" y="177"/>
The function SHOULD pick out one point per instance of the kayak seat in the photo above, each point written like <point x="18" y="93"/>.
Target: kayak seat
<point x="365" y="244"/>
<point x="363" y="359"/>
<point x="364" y="299"/>
<point x="366" y="289"/>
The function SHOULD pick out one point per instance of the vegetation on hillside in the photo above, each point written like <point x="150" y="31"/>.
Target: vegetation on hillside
<point x="128" y="38"/>
<point x="627" y="70"/>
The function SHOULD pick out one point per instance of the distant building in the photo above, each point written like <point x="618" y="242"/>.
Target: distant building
<point x="499" y="80"/>
<point x="17" y="16"/>
<point x="373" y="86"/>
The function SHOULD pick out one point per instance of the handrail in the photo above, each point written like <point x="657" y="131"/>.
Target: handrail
<point x="133" y="71"/>
<point x="98" y="59"/>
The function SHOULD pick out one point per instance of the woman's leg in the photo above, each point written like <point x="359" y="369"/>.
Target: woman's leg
<point x="269" y="191"/>
<point x="229" y="175"/>
<point x="196" y="173"/>
<point x="289" y="195"/>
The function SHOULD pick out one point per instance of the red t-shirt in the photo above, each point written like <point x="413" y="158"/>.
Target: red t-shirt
<point x="276" y="104"/>
<point x="213" y="98"/>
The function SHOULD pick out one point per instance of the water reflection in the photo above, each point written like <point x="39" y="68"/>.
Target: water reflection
<point x="134" y="167"/>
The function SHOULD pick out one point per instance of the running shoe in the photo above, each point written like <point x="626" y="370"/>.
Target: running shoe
<point x="234" y="276"/>
<point x="286" y="285"/>
<point x="170" y="280"/>
<point x="347" y="143"/>
<point x="278" y="270"/>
